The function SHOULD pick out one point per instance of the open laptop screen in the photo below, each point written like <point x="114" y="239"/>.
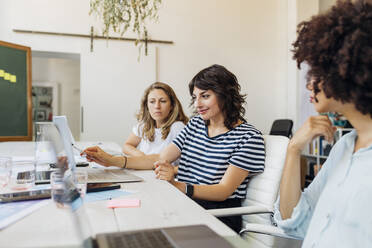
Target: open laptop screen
<point x="64" y="130"/>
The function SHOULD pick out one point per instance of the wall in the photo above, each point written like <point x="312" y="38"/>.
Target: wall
<point x="324" y="5"/>
<point x="65" y="72"/>
<point x="249" y="37"/>
<point x="305" y="10"/>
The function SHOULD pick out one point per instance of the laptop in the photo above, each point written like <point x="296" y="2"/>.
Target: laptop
<point x="192" y="236"/>
<point x="95" y="175"/>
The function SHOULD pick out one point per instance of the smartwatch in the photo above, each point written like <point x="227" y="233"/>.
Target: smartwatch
<point x="189" y="190"/>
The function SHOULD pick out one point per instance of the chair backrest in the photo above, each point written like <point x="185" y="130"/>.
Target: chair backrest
<point x="263" y="188"/>
<point x="282" y="127"/>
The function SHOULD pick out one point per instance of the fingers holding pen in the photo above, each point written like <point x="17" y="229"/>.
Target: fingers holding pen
<point x="96" y="154"/>
<point x="91" y="150"/>
<point x="91" y="153"/>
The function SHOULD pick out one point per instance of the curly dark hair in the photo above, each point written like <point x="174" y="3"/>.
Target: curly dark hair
<point x="337" y="45"/>
<point x="225" y="85"/>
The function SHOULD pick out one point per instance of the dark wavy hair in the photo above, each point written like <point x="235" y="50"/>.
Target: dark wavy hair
<point x="337" y="45"/>
<point x="225" y="85"/>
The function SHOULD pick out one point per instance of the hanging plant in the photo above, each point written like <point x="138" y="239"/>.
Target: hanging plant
<point x="121" y="15"/>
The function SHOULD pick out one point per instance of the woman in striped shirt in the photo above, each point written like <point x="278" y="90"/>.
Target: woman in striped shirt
<point x="218" y="149"/>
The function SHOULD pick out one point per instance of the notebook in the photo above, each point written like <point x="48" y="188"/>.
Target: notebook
<point x="96" y="175"/>
<point x="192" y="236"/>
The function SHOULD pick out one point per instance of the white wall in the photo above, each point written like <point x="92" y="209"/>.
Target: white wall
<point x="112" y="84"/>
<point x="305" y="10"/>
<point x="66" y="73"/>
<point x="250" y="38"/>
<point x="324" y="5"/>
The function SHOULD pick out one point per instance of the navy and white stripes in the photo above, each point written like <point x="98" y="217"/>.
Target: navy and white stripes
<point x="204" y="160"/>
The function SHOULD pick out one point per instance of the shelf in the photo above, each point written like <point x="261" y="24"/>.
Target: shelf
<point x="314" y="156"/>
<point x="342" y="129"/>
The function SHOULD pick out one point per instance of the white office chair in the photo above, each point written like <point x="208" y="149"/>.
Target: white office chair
<point x="262" y="192"/>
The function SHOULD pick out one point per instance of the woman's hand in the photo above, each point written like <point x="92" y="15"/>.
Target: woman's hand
<point x="164" y="171"/>
<point x="96" y="154"/>
<point x="62" y="163"/>
<point x="313" y="127"/>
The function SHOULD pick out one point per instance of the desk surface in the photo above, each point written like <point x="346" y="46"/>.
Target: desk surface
<point x="162" y="205"/>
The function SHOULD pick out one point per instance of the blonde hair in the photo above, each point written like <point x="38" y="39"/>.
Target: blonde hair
<point x="175" y="114"/>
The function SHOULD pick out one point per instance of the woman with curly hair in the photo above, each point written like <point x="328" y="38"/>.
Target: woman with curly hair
<point x="160" y="119"/>
<point x="218" y="150"/>
<point x="334" y="210"/>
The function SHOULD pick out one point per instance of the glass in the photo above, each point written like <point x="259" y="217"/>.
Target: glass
<point x="57" y="186"/>
<point x="81" y="179"/>
<point x="23" y="175"/>
<point x="5" y="171"/>
<point x="46" y="136"/>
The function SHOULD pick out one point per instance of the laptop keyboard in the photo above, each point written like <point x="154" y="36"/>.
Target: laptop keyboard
<point x="104" y="174"/>
<point x="143" y="239"/>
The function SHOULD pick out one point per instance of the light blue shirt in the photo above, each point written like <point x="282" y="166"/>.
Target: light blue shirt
<point x="335" y="210"/>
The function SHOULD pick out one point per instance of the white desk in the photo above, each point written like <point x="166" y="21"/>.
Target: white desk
<point x="162" y="205"/>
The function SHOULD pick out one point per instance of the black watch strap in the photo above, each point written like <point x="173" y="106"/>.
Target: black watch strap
<point x="189" y="190"/>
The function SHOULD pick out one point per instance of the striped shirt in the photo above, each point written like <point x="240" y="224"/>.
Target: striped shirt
<point x="204" y="159"/>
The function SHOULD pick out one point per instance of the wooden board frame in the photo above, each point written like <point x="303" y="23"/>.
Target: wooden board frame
<point x="27" y="137"/>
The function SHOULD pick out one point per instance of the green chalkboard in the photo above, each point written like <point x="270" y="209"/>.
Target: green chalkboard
<point x="15" y="92"/>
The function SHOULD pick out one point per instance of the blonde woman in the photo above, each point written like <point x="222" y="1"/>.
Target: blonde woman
<point x="160" y="119"/>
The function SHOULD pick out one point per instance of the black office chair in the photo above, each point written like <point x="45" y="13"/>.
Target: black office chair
<point x="282" y="127"/>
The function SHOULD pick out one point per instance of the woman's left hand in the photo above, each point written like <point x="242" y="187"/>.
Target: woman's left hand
<point x="164" y="171"/>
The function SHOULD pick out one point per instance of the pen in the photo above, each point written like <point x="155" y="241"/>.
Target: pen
<point x="78" y="149"/>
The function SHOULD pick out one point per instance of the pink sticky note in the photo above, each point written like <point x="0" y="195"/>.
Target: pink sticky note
<point x="124" y="203"/>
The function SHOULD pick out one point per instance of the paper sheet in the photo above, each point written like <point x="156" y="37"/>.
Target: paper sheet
<point x="13" y="211"/>
<point x="104" y="195"/>
<point x="124" y="203"/>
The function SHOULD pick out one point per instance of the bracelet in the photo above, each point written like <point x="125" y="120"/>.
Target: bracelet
<point x="125" y="163"/>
